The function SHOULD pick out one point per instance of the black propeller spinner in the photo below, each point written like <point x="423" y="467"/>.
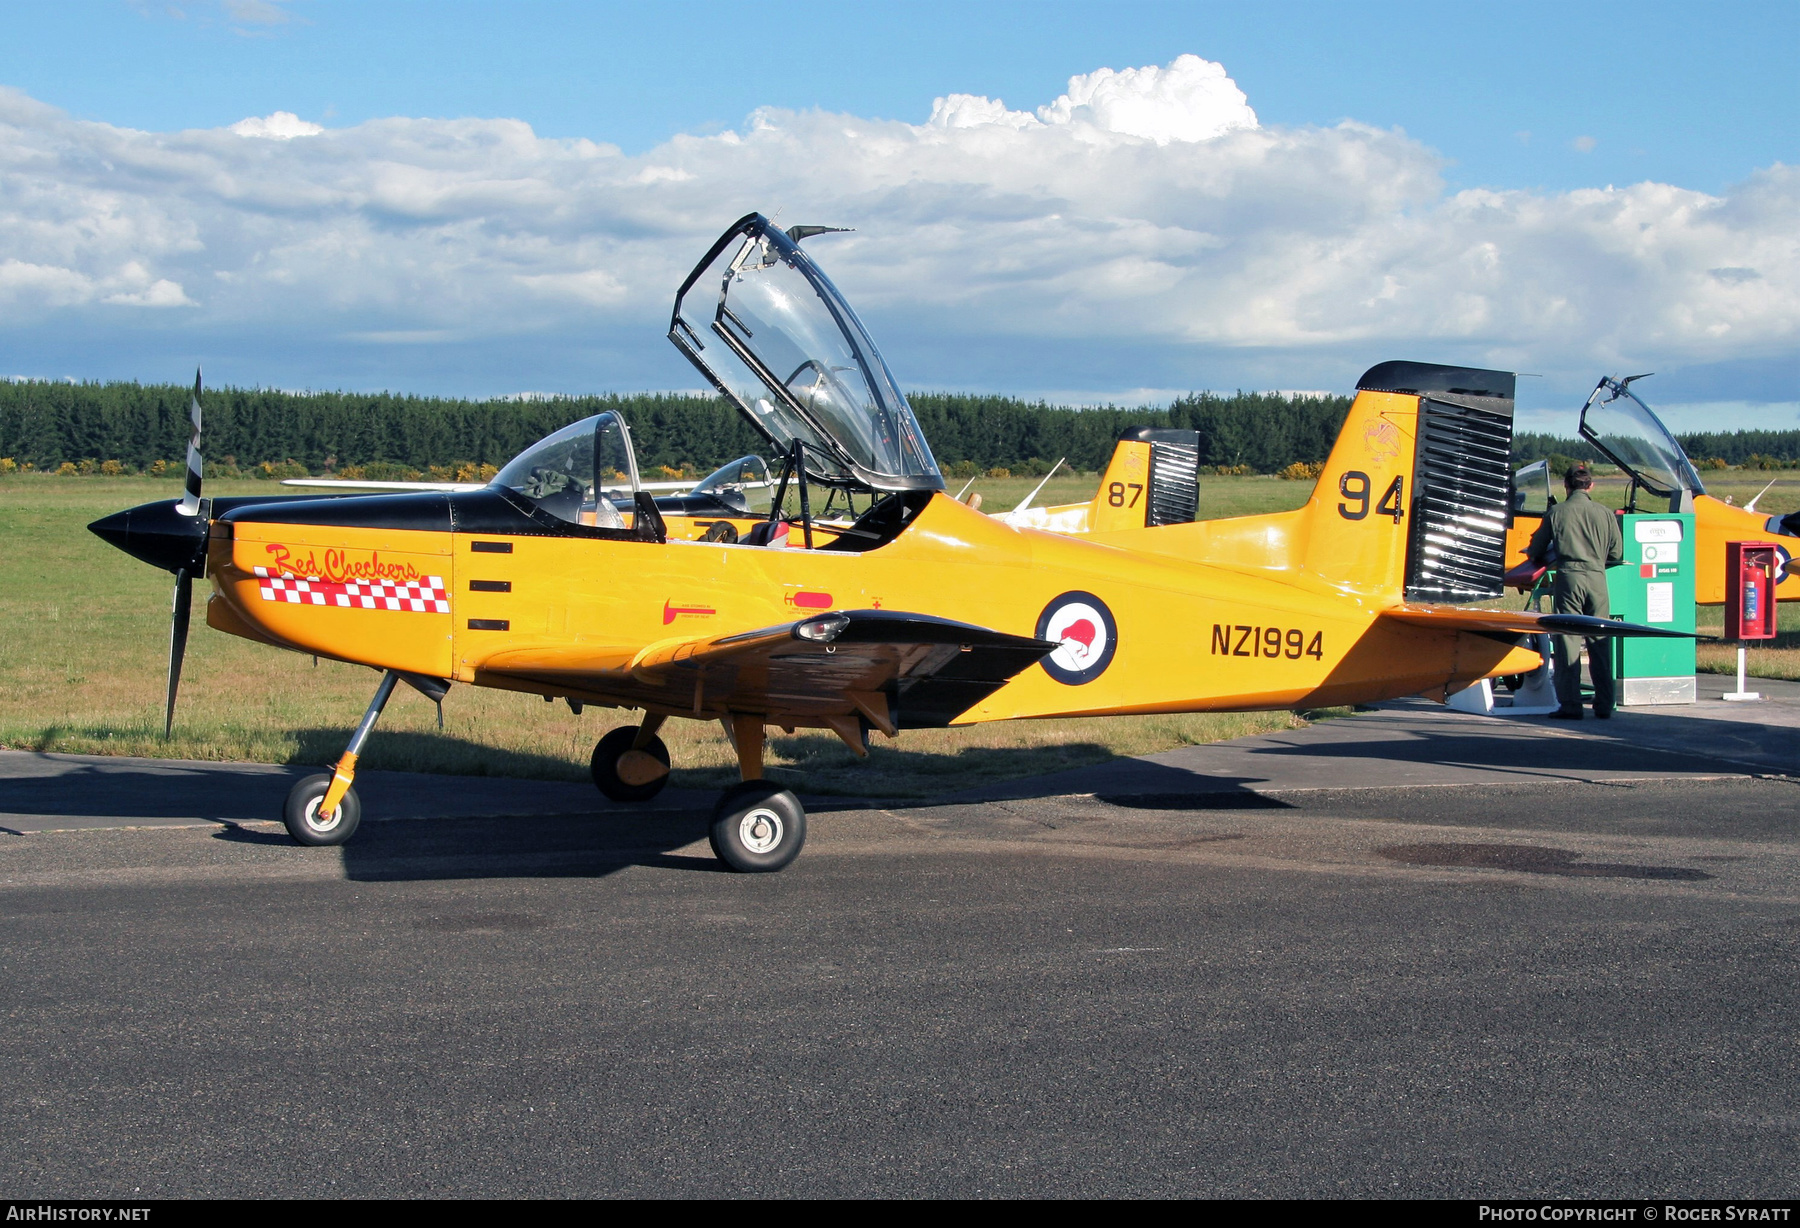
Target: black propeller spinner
<point x="170" y="535"/>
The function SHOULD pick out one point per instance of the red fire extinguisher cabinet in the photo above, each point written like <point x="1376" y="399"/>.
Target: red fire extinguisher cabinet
<point x="1750" y="581"/>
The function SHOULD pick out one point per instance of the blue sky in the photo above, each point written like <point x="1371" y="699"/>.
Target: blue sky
<point x="1692" y="94"/>
<point x="1539" y="103"/>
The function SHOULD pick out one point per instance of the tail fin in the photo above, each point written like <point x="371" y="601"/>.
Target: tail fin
<point x="1413" y="501"/>
<point x="1153" y="479"/>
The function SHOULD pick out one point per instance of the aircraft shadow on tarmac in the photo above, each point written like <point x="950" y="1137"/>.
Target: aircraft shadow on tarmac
<point x="215" y="792"/>
<point x="229" y="792"/>
<point x="539" y="846"/>
<point x="559" y="832"/>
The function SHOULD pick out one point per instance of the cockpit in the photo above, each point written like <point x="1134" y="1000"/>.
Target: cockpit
<point x="767" y="328"/>
<point x="582" y="474"/>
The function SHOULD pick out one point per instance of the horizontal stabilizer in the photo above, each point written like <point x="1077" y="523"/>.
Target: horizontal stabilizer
<point x="1522" y="622"/>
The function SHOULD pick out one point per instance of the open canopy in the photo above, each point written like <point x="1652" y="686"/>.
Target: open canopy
<point x="772" y="333"/>
<point x="1631" y="437"/>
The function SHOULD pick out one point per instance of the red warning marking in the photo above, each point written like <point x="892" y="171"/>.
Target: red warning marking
<point x="810" y="601"/>
<point x="671" y="611"/>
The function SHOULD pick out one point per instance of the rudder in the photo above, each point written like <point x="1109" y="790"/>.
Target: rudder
<point x="1413" y="500"/>
<point x="1153" y="479"/>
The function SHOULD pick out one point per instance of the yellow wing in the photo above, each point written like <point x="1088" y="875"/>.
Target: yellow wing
<point x="1520" y="622"/>
<point x="894" y="670"/>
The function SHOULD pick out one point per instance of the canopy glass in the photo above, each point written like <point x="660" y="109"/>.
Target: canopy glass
<point x="576" y="473"/>
<point x="1628" y="434"/>
<point x="772" y="333"/>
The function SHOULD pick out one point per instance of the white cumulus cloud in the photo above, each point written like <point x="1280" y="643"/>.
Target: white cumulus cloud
<point x="281" y="126"/>
<point x="1190" y="100"/>
<point x="1144" y="222"/>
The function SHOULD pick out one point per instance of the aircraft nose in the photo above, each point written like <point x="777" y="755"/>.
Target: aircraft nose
<point x="157" y="534"/>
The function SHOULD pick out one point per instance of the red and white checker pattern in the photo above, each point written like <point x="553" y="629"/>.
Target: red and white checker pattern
<point x="425" y="596"/>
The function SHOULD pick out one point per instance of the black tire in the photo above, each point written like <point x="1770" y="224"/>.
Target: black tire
<point x="605" y="765"/>
<point x="301" y="813"/>
<point x="757" y="827"/>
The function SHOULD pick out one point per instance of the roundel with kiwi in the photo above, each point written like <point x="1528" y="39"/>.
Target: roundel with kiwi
<point x="1085" y="634"/>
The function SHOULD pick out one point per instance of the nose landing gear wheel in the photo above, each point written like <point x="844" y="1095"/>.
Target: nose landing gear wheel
<point x="757" y="827"/>
<point x="301" y="814"/>
<point x="627" y="775"/>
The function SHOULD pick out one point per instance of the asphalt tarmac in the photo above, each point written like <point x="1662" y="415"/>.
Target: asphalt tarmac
<point x="1575" y="984"/>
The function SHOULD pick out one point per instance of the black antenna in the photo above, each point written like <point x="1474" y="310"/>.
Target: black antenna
<point x="797" y="233"/>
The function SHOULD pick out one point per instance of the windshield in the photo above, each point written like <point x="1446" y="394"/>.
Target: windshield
<point x="1633" y="438"/>
<point x="578" y="473"/>
<point x="760" y="319"/>
<point x="742" y="472"/>
<point x="1531" y="490"/>
<point x="744" y="483"/>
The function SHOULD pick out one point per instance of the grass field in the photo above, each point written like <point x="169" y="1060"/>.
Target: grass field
<point x="86" y="645"/>
<point x="1777" y="658"/>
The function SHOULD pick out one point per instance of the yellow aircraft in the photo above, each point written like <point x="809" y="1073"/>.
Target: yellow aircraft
<point x="866" y="598"/>
<point x="1661" y="478"/>
<point x="1613" y="420"/>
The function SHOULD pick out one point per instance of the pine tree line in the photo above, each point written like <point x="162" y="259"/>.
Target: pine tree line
<point x="1750" y="448"/>
<point x="49" y="424"/>
<point x="1253" y="431"/>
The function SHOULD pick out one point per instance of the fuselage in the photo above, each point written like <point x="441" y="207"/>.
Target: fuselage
<point x="460" y="587"/>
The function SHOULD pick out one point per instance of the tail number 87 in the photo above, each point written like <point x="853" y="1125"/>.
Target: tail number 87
<point x="1356" y="489"/>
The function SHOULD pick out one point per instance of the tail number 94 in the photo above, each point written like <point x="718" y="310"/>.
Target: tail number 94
<point x="1229" y="640"/>
<point x="1356" y="489"/>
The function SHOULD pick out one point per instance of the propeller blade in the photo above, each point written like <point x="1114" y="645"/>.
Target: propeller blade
<point x="178" y="633"/>
<point x="190" y="501"/>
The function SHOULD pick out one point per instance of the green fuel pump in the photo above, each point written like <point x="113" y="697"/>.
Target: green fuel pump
<point x="1655" y="586"/>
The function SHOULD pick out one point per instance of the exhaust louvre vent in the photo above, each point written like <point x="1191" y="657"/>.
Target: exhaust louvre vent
<point x="1456" y="550"/>
<point x="1174" y="478"/>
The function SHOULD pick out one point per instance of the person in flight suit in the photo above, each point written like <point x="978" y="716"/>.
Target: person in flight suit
<point x="1579" y="539"/>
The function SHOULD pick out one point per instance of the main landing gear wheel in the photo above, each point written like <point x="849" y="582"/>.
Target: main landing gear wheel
<point x="301" y="814"/>
<point x="627" y="775"/>
<point x="757" y="827"/>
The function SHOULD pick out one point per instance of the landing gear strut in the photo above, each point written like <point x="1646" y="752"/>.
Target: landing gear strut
<point x="324" y="809"/>
<point x="757" y="826"/>
<point x="631" y="764"/>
